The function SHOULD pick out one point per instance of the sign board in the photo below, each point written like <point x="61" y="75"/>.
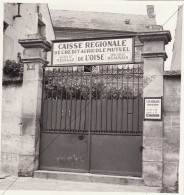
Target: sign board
<point x="92" y="51"/>
<point x="152" y="108"/>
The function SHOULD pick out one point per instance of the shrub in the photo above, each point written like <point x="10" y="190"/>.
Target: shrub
<point x="13" y="69"/>
<point x="62" y="85"/>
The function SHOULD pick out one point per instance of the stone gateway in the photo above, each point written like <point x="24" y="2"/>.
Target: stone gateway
<point x="89" y="96"/>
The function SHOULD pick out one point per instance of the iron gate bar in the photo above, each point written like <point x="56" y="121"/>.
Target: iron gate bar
<point x="85" y="109"/>
<point x="96" y="111"/>
<point x="61" y="101"/>
<point x="122" y="105"/>
<point x="101" y="102"/>
<point x="106" y="101"/>
<point x="117" y="101"/>
<point x="75" y="102"/>
<point x="133" y="102"/>
<point x="73" y="65"/>
<point x="125" y="133"/>
<point x="80" y="100"/>
<point x="66" y="83"/>
<point x="89" y="64"/>
<point x="89" y="132"/>
<point x="138" y="103"/>
<point x="56" y="105"/>
<point x="111" y="101"/>
<point x="127" y="103"/>
<point x="71" y="103"/>
<point x="52" y="102"/>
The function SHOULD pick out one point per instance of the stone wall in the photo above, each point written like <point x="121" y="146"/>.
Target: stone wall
<point x="154" y="57"/>
<point x="12" y="142"/>
<point x="11" y="127"/>
<point x="171" y="137"/>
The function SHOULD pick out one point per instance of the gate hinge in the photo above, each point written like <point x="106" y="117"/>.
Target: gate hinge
<point x="41" y="125"/>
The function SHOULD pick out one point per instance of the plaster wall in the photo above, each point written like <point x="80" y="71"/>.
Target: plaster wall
<point x="177" y="47"/>
<point x="11" y="127"/>
<point x="23" y="27"/>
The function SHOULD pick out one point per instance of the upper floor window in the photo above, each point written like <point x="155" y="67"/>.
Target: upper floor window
<point x="41" y="28"/>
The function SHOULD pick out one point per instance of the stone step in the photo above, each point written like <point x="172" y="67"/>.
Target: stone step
<point x="88" y="177"/>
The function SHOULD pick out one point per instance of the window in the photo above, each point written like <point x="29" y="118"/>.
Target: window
<point x="41" y="28"/>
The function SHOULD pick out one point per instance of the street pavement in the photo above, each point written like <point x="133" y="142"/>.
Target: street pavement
<point x="37" y="184"/>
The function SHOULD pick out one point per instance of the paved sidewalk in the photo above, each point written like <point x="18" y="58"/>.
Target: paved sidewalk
<point x="28" y="183"/>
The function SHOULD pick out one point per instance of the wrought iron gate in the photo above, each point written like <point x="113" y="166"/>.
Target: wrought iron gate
<point x="92" y="119"/>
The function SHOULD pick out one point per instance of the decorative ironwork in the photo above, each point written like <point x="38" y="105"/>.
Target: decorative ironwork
<point x="75" y="82"/>
<point x="111" y="96"/>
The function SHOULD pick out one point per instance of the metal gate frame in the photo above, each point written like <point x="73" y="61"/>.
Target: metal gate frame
<point x="131" y="73"/>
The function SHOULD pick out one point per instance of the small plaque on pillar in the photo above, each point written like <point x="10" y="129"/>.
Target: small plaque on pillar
<point x="30" y="66"/>
<point x="152" y="108"/>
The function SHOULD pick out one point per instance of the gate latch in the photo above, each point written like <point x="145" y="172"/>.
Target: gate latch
<point x="80" y="137"/>
<point x="141" y="148"/>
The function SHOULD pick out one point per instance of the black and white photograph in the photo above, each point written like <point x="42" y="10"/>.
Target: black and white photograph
<point x="91" y="97"/>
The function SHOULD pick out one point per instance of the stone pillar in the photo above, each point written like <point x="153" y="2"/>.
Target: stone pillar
<point x="154" y="56"/>
<point x="34" y="59"/>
